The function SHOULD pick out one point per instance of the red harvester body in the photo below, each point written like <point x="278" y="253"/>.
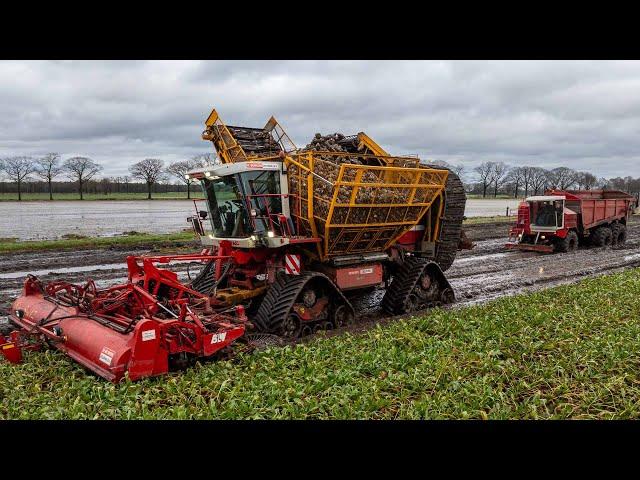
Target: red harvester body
<point x="562" y="220"/>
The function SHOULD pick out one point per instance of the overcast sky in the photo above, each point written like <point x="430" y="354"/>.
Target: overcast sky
<point x="584" y="115"/>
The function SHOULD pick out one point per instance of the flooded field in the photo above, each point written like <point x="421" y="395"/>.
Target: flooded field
<point x="49" y="220"/>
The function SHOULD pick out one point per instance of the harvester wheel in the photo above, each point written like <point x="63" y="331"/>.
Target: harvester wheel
<point x="601" y="237"/>
<point x="291" y="326"/>
<point x="568" y="243"/>
<point x="342" y="316"/>
<point x="618" y="234"/>
<point x="419" y="284"/>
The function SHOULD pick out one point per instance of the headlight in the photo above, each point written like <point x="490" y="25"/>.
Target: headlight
<point x="542" y="237"/>
<point x="187" y="177"/>
<point x="207" y="174"/>
<point x="254" y="238"/>
<point x="270" y="234"/>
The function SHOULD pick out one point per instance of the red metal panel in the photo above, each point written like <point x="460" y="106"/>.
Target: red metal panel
<point x="358" y="276"/>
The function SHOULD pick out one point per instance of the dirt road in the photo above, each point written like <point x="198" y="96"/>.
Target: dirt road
<point x="486" y="272"/>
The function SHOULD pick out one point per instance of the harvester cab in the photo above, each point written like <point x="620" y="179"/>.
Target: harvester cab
<point x="246" y="204"/>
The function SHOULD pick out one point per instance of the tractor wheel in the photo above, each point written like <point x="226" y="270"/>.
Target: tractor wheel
<point x="618" y="234"/>
<point x="601" y="237"/>
<point x="568" y="243"/>
<point x="419" y="284"/>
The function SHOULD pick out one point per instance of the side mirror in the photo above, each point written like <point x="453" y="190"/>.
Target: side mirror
<point x="202" y="214"/>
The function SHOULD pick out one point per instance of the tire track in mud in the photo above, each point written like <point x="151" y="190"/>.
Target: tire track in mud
<point x="486" y="272"/>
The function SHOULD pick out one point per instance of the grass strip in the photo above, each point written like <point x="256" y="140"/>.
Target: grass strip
<point x="565" y="352"/>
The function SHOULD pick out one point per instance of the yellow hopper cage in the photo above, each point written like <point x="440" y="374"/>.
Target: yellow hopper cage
<point x="360" y="207"/>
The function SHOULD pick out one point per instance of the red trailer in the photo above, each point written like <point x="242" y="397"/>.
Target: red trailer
<point x="562" y="220"/>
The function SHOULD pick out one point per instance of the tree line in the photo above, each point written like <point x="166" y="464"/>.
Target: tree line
<point x="40" y="174"/>
<point x="494" y="178"/>
<point x="489" y="178"/>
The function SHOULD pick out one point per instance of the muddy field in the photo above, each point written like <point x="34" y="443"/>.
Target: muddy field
<point x="486" y="272"/>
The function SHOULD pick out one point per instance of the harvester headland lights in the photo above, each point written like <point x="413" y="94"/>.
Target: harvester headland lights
<point x="287" y="234"/>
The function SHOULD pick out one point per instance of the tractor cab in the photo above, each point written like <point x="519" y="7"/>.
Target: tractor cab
<point x="246" y="203"/>
<point x="546" y="213"/>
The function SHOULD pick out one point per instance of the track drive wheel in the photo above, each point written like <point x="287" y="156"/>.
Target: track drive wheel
<point x="279" y="312"/>
<point x="419" y="284"/>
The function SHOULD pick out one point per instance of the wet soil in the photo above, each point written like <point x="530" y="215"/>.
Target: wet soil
<point x="487" y="271"/>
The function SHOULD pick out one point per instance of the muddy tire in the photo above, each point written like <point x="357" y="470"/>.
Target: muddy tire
<point x="568" y="243"/>
<point x="618" y="234"/>
<point x="601" y="237"/>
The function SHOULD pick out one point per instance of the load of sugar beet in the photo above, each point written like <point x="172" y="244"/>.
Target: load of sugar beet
<point x="370" y="208"/>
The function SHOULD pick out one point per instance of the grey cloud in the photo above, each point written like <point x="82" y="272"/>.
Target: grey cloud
<point x="583" y="114"/>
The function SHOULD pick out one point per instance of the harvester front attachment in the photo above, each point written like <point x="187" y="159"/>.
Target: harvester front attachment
<point x="139" y="328"/>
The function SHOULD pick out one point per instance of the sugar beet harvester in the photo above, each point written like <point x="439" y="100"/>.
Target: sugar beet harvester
<point x="563" y="220"/>
<point x="291" y="232"/>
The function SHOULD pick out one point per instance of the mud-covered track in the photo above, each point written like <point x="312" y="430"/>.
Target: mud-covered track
<point x="484" y="273"/>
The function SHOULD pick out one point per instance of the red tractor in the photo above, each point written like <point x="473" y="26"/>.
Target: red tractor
<point x="563" y="220"/>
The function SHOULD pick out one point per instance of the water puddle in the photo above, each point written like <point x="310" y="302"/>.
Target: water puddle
<point x="89" y="268"/>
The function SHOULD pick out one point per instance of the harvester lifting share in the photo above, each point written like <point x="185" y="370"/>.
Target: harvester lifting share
<point x="290" y="233"/>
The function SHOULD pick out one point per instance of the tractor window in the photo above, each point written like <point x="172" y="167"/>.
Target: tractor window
<point x="227" y="208"/>
<point x="546" y="216"/>
<point x="559" y="208"/>
<point x="548" y="213"/>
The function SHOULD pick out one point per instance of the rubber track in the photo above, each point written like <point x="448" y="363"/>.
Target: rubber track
<point x="205" y="280"/>
<point x="402" y="285"/>
<point x="452" y="217"/>
<point x="280" y="298"/>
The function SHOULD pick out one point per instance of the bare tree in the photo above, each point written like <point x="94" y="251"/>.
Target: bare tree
<point x="180" y="169"/>
<point x="458" y="169"/>
<point x="484" y="171"/>
<point x="126" y="181"/>
<point x="516" y="176"/>
<point x="562" y="178"/>
<point x="81" y="170"/>
<point x="150" y="170"/>
<point x="207" y="159"/>
<point x="539" y="179"/>
<point x="499" y="172"/>
<point x="586" y="180"/>
<point x="48" y="168"/>
<point x="18" y="170"/>
<point x="527" y="178"/>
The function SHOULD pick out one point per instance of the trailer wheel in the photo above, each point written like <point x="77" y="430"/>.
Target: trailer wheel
<point x="618" y="234"/>
<point x="601" y="237"/>
<point x="568" y="243"/>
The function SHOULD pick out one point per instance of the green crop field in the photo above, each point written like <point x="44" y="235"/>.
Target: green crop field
<point x="566" y="352"/>
<point x="132" y="239"/>
<point x="196" y="193"/>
